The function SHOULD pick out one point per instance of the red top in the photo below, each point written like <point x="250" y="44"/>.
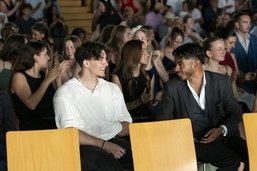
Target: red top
<point x="130" y="3"/>
<point x="229" y="61"/>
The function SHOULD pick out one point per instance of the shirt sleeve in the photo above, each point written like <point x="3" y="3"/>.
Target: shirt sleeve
<point x="119" y="106"/>
<point x="65" y="112"/>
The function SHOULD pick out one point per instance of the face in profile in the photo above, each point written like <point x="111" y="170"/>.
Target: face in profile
<point x="42" y="58"/>
<point x="145" y="55"/>
<point x="185" y="68"/>
<point x="97" y="67"/>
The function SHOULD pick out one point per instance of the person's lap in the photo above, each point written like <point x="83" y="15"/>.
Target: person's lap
<point x="96" y="159"/>
<point x="224" y="153"/>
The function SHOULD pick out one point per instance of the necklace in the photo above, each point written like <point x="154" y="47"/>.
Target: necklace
<point x="91" y="89"/>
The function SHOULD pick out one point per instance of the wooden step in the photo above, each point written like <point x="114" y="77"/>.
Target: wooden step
<point x="77" y="16"/>
<point x="87" y="28"/>
<point x="73" y="9"/>
<point x="70" y="3"/>
<point x="82" y="23"/>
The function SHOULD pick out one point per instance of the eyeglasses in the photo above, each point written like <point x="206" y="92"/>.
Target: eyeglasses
<point x="218" y="49"/>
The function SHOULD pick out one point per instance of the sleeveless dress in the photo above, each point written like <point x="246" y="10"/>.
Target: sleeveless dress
<point x="141" y="113"/>
<point x="43" y="116"/>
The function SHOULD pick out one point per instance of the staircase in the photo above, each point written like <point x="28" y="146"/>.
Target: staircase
<point x="76" y="15"/>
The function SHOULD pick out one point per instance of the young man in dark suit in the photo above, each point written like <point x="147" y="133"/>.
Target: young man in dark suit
<point x="207" y="99"/>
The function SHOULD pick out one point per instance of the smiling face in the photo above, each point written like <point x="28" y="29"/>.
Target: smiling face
<point x="217" y="51"/>
<point x="97" y="67"/>
<point x="185" y="68"/>
<point x="70" y="49"/>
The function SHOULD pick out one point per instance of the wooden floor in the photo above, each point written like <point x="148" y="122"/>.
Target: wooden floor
<point x="76" y="15"/>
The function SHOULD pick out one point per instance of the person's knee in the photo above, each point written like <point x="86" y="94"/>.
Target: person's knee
<point x="231" y="162"/>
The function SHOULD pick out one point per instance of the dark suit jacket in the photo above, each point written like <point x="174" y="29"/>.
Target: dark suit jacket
<point x="222" y="107"/>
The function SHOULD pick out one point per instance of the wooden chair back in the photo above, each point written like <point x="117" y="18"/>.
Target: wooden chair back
<point x="43" y="150"/>
<point x="163" y="145"/>
<point x="250" y="125"/>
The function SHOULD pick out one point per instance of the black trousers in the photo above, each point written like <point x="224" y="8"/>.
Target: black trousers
<point x="96" y="159"/>
<point x="226" y="153"/>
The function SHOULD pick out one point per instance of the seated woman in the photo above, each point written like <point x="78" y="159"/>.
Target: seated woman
<point x="215" y="51"/>
<point x="119" y="36"/>
<point x="71" y="43"/>
<point x="32" y="89"/>
<point x="174" y="40"/>
<point x="131" y="77"/>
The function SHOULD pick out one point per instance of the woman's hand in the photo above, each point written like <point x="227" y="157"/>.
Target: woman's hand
<point x="145" y="97"/>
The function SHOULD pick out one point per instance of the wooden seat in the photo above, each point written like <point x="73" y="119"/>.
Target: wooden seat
<point x="43" y="150"/>
<point x="163" y="145"/>
<point x="250" y="125"/>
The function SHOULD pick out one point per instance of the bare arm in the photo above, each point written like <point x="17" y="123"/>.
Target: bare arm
<point x="233" y="81"/>
<point x="116" y="150"/>
<point x="235" y="62"/>
<point x="125" y="129"/>
<point x="21" y="88"/>
<point x="8" y="13"/>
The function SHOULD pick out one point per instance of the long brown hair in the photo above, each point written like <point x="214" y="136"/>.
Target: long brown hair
<point x="131" y="54"/>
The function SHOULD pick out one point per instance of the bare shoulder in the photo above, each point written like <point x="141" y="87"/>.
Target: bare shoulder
<point x="18" y="81"/>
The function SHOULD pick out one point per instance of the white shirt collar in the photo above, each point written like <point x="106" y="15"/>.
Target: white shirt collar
<point x="199" y="99"/>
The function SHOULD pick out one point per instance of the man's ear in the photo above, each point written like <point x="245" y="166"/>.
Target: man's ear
<point x="236" y="24"/>
<point x="86" y="63"/>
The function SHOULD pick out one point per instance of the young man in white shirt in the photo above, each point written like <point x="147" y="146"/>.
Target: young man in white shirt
<point x="97" y="108"/>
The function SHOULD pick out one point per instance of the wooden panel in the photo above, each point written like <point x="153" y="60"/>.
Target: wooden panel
<point x="43" y="150"/>
<point x="250" y="125"/>
<point x="163" y="146"/>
